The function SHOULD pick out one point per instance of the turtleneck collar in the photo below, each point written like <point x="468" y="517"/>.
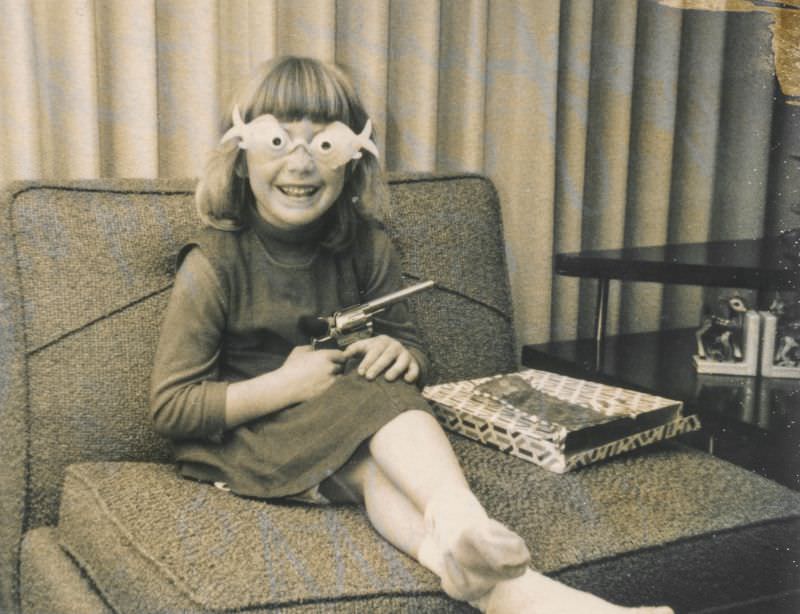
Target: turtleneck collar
<point x="292" y="246"/>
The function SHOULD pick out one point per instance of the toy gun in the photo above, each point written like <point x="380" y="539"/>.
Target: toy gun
<point x="354" y="323"/>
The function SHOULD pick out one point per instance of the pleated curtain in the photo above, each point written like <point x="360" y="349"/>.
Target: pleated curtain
<point x="603" y="124"/>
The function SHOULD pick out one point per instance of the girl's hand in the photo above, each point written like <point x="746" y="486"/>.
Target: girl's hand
<point x="384" y="353"/>
<point x="311" y="372"/>
<point x="302" y="376"/>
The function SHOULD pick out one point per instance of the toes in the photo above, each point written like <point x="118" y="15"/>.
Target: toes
<point x="464" y="584"/>
<point x="482" y="556"/>
<point x="492" y="546"/>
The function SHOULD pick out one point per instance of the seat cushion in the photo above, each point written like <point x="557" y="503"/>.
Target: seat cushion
<point x="50" y="580"/>
<point x="145" y="535"/>
<point x="153" y="541"/>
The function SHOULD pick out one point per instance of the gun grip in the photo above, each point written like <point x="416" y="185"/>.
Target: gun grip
<point x="325" y="343"/>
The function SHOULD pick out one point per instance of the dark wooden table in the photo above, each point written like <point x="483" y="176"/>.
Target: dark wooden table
<point x="760" y="264"/>
<point x="751" y="421"/>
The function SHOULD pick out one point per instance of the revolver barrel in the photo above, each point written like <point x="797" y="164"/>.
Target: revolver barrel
<point x="353" y="323"/>
<point x="394" y="297"/>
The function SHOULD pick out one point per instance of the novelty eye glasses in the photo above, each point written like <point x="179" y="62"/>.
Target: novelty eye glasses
<point x="337" y="144"/>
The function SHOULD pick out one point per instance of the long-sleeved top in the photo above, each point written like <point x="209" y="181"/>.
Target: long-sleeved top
<point x="235" y="311"/>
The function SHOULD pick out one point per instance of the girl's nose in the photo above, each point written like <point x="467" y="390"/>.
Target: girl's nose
<point x="300" y="160"/>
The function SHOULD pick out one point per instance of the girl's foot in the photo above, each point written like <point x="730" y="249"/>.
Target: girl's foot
<point x="483" y="555"/>
<point x="469" y="551"/>
<point x="534" y="593"/>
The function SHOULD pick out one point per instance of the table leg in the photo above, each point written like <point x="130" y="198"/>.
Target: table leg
<point x="601" y="309"/>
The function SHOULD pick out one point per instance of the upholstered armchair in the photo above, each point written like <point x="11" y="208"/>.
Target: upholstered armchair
<point x="96" y="519"/>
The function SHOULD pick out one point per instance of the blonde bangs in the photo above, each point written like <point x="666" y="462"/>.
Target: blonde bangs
<point x="297" y="88"/>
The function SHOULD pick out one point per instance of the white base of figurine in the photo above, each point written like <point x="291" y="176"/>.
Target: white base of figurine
<point x="749" y="363"/>
<point x="769" y="326"/>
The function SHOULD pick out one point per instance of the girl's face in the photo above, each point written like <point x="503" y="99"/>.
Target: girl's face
<point x="293" y="190"/>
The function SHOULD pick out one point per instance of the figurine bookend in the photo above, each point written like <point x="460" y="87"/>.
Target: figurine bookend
<point x="780" y="338"/>
<point x="728" y="342"/>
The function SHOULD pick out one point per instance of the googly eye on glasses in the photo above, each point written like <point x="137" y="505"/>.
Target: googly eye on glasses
<point x="334" y="146"/>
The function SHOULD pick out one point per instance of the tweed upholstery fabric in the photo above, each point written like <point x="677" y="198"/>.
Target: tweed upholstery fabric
<point x="86" y="254"/>
<point x="177" y="538"/>
<point x="219" y="551"/>
<point x="86" y="269"/>
<point x="13" y="414"/>
<point x="451" y="231"/>
<point x="95" y="269"/>
<point x="50" y="580"/>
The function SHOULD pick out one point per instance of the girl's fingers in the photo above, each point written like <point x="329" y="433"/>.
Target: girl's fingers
<point x="354" y="349"/>
<point x="337" y="356"/>
<point x="371" y="353"/>
<point x="399" y="367"/>
<point x="380" y="363"/>
<point x="370" y="349"/>
<point x="412" y="373"/>
<point x="383" y="354"/>
<point x="337" y="369"/>
<point x="362" y="346"/>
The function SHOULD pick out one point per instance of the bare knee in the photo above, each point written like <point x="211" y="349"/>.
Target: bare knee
<point x="409" y="424"/>
<point x="417" y="418"/>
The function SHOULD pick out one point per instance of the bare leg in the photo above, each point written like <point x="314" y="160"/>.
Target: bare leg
<point x="400" y="521"/>
<point x="472" y="551"/>
<point x="416" y="455"/>
<point x="390" y="512"/>
<point x="477" y="558"/>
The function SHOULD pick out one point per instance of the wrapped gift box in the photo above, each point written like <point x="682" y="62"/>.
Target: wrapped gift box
<point x="556" y="421"/>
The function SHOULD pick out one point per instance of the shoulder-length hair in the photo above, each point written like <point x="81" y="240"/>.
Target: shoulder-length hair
<point x="292" y="88"/>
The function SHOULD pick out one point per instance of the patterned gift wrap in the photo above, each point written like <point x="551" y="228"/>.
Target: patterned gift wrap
<point x="606" y="420"/>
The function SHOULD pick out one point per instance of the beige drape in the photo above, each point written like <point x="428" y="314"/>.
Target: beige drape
<point x="603" y="124"/>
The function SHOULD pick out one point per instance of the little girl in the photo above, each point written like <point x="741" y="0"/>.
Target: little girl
<point x="288" y="202"/>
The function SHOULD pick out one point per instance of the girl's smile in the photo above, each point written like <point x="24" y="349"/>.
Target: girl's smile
<point x="293" y="190"/>
<point x="298" y="191"/>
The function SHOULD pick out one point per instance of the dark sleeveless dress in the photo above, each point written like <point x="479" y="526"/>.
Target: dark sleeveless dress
<point x="234" y="313"/>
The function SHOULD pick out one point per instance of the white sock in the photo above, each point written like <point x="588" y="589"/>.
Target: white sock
<point x="429" y="555"/>
<point x="534" y="593"/>
<point x="467" y="550"/>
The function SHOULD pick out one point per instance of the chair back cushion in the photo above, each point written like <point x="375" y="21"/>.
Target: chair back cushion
<point x="449" y="229"/>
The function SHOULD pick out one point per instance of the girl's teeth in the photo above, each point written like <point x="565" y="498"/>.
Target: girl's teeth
<point x="298" y="191"/>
